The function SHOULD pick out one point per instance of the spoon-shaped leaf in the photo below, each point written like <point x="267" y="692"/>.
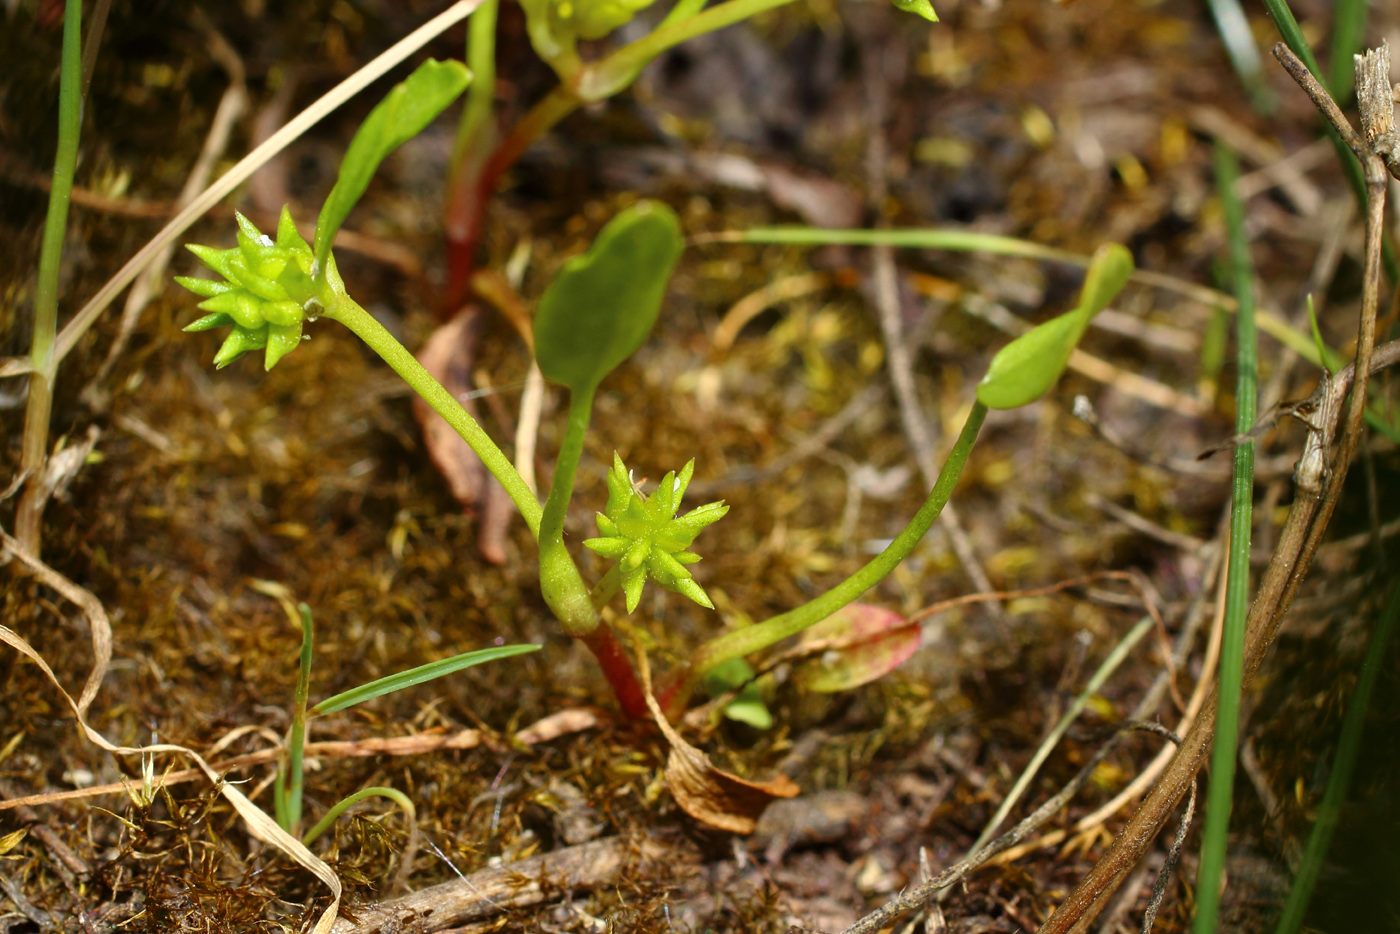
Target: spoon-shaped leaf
<point x="404" y="679"/>
<point x="1024" y="369"/>
<point x="402" y="115"/>
<point x="602" y="305"/>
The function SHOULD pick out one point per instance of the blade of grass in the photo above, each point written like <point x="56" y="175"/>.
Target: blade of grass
<point x="403" y="679"/>
<point x="1238" y="39"/>
<point x="1343" y="766"/>
<point x="1348" y="30"/>
<point x="1293" y="37"/>
<point x="931" y="238"/>
<point x="42" y="358"/>
<point x="296" y="739"/>
<point x="1223" y="755"/>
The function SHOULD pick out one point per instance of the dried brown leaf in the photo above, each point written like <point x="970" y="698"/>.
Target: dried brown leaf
<point x="709" y="794"/>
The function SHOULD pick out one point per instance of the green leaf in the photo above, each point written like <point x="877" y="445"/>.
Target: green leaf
<point x="602" y="305"/>
<point x="747" y="706"/>
<point x="404" y="679"/>
<point x="919" y="8"/>
<point x="402" y="115"/>
<point x="1026" y="368"/>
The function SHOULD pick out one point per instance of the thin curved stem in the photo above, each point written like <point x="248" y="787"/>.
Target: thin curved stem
<point x="344" y="309"/>
<point x="560" y="581"/>
<point x="750" y="639"/>
<point x="43" y="360"/>
<point x="393" y="794"/>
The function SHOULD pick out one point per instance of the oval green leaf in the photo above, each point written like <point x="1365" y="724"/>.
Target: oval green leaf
<point x="602" y="305"/>
<point x="403" y="679"/>
<point x="402" y="115"/>
<point x="1025" y="369"/>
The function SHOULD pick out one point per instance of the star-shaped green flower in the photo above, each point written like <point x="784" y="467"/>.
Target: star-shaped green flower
<point x="646" y="537"/>
<point x="267" y="286"/>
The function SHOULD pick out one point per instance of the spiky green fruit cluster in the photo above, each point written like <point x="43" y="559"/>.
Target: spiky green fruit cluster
<point x="264" y="296"/>
<point x="648" y="539"/>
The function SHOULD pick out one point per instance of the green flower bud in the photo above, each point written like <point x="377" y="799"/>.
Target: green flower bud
<point x="266" y="289"/>
<point x="647" y="538"/>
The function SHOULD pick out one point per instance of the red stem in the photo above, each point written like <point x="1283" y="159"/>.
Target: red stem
<point x="615" y="664"/>
<point x="474" y="183"/>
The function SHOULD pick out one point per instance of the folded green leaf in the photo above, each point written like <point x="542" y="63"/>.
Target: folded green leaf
<point x="428" y="672"/>
<point x="747" y="706"/>
<point x="402" y="115"/>
<point x="919" y="8"/>
<point x="602" y="305"/>
<point x="1028" y="366"/>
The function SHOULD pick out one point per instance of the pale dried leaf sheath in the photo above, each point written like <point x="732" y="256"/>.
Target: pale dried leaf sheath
<point x="1376" y="103"/>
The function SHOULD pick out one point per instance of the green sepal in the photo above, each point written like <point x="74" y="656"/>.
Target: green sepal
<point x="666" y="569"/>
<point x="288" y="238"/>
<point x="632" y="582"/>
<point x="608" y="547"/>
<point x="239" y="342"/>
<point x="206" y="287"/>
<point x="219" y="320"/>
<point x="281" y="340"/>
<point x="692" y="590"/>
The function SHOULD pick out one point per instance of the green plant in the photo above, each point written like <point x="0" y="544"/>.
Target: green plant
<point x="287" y="790"/>
<point x="554" y="27"/>
<point x="593" y="316"/>
<point x="43" y="361"/>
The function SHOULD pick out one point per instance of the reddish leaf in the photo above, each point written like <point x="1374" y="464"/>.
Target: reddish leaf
<point x="853" y="646"/>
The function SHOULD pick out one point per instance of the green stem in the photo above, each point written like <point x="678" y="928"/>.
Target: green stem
<point x="1225" y="751"/>
<point x="296" y="738"/>
<point x="30" y="515"/>
<point x="560" y="582"/>
<point x="750" y="639"/>
<point x="607" y="588"/>
<point x="342" y="308"/>
<point x="1343" y="767"/>
<point x="605" y="78"/>
<point x="473" y="134"/>
<point x="393" y="794"/>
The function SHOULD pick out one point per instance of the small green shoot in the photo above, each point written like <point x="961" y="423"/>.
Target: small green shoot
<point x="402" y="115"/>
<point x="748" y="706"/>
<point x="1026" y="368"/>
<point x="287" y="789"/>
<point x="602" y="305"/>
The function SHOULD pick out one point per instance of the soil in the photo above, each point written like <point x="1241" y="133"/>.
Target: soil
<point x="1068" y="125"/>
